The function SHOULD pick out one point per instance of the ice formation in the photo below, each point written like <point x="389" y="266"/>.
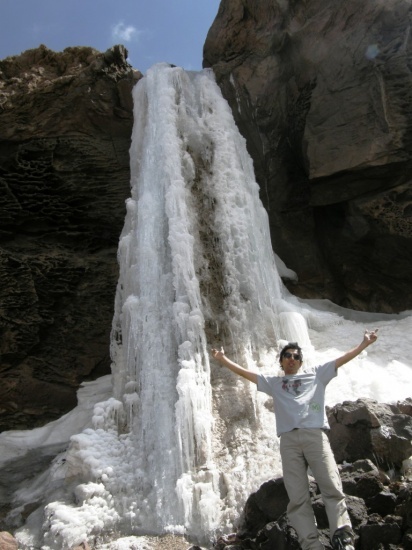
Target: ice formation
<point x="181" y="442"/>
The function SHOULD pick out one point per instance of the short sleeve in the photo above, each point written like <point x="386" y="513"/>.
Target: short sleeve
<point x="325" y="373"/>
<point x="265" y="383"/>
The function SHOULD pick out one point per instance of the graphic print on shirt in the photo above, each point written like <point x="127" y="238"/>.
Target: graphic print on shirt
<point x="291" y="386"/>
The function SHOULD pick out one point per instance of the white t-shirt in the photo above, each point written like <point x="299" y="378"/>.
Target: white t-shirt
<point x="299" y="399"/>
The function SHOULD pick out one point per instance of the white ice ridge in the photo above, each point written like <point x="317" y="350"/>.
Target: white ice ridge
<point x="182" y="443"/>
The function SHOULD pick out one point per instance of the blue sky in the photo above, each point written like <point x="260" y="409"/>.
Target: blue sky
<point x="152" y="30"/>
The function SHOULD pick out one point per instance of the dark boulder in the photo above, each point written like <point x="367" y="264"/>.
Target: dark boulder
<point x="367" y="429"/>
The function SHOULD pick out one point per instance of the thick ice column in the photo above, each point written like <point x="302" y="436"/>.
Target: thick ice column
<point x="196" y="263"/>
<point x="158" y="332"/>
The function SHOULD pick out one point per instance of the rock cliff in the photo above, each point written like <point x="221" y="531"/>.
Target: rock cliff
<point x="322" y="92"/>
<point x="65" y="128"/>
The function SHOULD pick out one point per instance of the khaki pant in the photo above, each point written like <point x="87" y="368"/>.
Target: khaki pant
<point x="300" y="448"/>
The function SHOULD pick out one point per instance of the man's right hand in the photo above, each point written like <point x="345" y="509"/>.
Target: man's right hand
<point x="234" y="367"/>
<point x="218" y="355"/>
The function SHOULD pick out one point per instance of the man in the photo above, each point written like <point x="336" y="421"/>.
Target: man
<point x="299" y="404"/>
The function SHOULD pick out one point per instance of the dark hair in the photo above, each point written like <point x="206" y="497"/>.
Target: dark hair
<point x="291" y="345"/>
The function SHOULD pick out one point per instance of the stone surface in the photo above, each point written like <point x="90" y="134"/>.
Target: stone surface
<point x="264" y="506"/>
<point x="367" y="429"/>
<point x="65" y="128"/>
<point x="322" y="92"/>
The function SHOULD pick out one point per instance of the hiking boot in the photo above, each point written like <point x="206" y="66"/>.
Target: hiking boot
<point x="343" y="539"/>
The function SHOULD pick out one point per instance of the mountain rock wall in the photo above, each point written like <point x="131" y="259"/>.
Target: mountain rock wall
<point x="65" y="129"/>
<point x="322" y="90"/>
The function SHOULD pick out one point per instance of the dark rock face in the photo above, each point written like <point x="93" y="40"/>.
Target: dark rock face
<point x="65" y="128"/>
<point x="322" y="92"/>
<point x="380" y="507"/>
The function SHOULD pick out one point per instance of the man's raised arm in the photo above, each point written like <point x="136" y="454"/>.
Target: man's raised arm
<point x="369" y="338"/>
<point x="234" y="367"/>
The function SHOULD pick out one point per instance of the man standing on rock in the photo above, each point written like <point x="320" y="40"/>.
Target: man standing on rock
<point x="299" y="404"/>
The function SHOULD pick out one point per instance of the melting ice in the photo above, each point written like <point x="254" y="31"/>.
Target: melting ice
<point x="181" y="442"/>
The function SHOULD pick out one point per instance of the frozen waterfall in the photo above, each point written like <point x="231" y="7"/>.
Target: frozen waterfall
<point x="181" y="442"/>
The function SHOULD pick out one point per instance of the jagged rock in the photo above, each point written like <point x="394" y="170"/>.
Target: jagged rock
<point x="267" y="504"/>
<point x="277" y="535"/>
<point x="357" y="510"/>
<point x="405" y="406"/>
<point x="321" y="91"/>
<point x="367" y="429"/>
<point x="382" y="503"/>
<point x="362" y="485"/>
<point x="381" y="535"/>
<point x="65" y="128"/>
<point x="404" y="504"/>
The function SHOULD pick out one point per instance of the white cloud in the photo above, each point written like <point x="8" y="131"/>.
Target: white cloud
<point x="124" y="33"/>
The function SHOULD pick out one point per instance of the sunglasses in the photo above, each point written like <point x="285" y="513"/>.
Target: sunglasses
<point x="295" y="356"/>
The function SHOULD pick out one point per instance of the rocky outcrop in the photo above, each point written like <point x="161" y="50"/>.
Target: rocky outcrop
<point x="322" y="92"/>
<point x="65" y="129"/>
<point x="379" y="503"/>
<point x="368" y="429"/>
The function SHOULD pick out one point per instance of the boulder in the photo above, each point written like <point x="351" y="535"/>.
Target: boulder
<point x="381" y="534"/>
<point x="266" y="505"/>
<point x="368" y="429"/>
